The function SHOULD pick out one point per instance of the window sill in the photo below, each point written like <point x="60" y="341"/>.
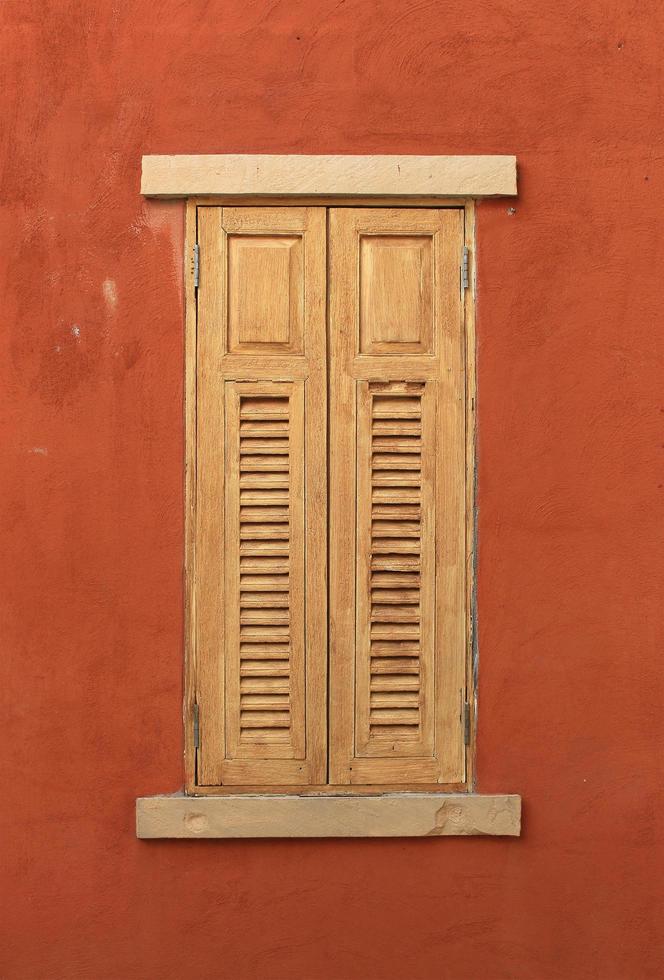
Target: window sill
<point x="390" y="815"/>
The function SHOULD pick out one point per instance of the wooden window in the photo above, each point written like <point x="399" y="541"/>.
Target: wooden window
<point x="397" y="483"/>
<point x="261" y="554"/>
<point x="327" y="494"/>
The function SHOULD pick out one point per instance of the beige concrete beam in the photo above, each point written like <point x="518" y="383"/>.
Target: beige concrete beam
<point x="390" y="815"/>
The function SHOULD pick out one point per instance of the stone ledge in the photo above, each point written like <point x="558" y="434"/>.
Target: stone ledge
<point x="184" y="175"/>
<point x="391" y="815"/>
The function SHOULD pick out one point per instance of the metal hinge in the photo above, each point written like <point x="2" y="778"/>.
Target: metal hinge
<point x="196" y="265"/>
<point x="464" y="268"/>
<point x="466" y="723"/>
<point x="197" y="730"/>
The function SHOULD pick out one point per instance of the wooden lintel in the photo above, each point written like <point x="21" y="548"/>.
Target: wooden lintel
<point x="390" y="815"/>
<point x="300" y="175"/>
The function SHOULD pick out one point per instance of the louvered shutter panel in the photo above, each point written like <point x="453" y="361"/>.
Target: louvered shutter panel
<point x="397" y="511"/>
<point x="261" y="531"/>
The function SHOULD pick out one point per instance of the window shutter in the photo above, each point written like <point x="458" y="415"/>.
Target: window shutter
<point x="260" y="560"/>
<point x="397" y="500"/>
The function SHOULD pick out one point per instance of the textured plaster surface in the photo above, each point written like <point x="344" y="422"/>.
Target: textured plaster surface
<point x="571" y="289"/>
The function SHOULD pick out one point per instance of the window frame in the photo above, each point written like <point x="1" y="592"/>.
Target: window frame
<point x="191" y="788"/>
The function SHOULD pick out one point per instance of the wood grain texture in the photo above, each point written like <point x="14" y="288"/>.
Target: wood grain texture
<point x="261" y="639"/>
<point x="209" y="544"/>
<point x="470" y="371"/>
<point x="397" y="512"/>
<point x="190" y="447"/>
<point x="448" y="176"/>
<point x="398" y="815"/>
<point x="397" y="555"/>
<point x="328" y="789"/>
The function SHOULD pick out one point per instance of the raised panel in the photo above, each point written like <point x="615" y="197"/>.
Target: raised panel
<point x="265" y="293"/>
<point x="396" y="294"/>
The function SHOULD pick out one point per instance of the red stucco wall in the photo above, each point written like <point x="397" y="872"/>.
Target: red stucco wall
<point x="570" y="578"/>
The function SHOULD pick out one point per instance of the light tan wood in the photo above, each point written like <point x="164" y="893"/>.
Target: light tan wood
<point x="265" y="321"/>
<point x="397" y="519"/>
<point x="228" y="174"/>
<point x="210" y="502"/>
<point x="280" y="367"/>
<point x="330" y="789"/>
<point x="470" y="362"/>
<point x="330" y="200"/>
<point x="190" y="668"/>
<point x="395" y="593"/>
<point x="451" y="685"/>
<point x="265" y="585"/>
<point x="415" y="815"/>
<point x="396" y="274"/>
<point x="261" y="505"/>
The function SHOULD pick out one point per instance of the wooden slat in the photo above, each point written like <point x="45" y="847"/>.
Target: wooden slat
<point x="299" y="589"/>
<point x="450" y="510"/>
<point x="191" y="695"/>
<point x="471" y="403"/>
<point x="209" y="546"/>
<point x="279" y="733"/>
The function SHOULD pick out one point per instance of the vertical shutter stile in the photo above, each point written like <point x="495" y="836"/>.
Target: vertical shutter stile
<point x="261" y="568"/>
<point x="397" y="585"/>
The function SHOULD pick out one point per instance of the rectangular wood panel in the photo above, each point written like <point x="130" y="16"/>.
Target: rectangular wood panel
<point x="261" y="503"/>
<point x="396" y="274"/>
<point x="269" y="320"/>
<point x="397" y="476"/>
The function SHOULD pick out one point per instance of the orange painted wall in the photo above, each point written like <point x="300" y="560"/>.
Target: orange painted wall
<point x="570" y="578"/>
